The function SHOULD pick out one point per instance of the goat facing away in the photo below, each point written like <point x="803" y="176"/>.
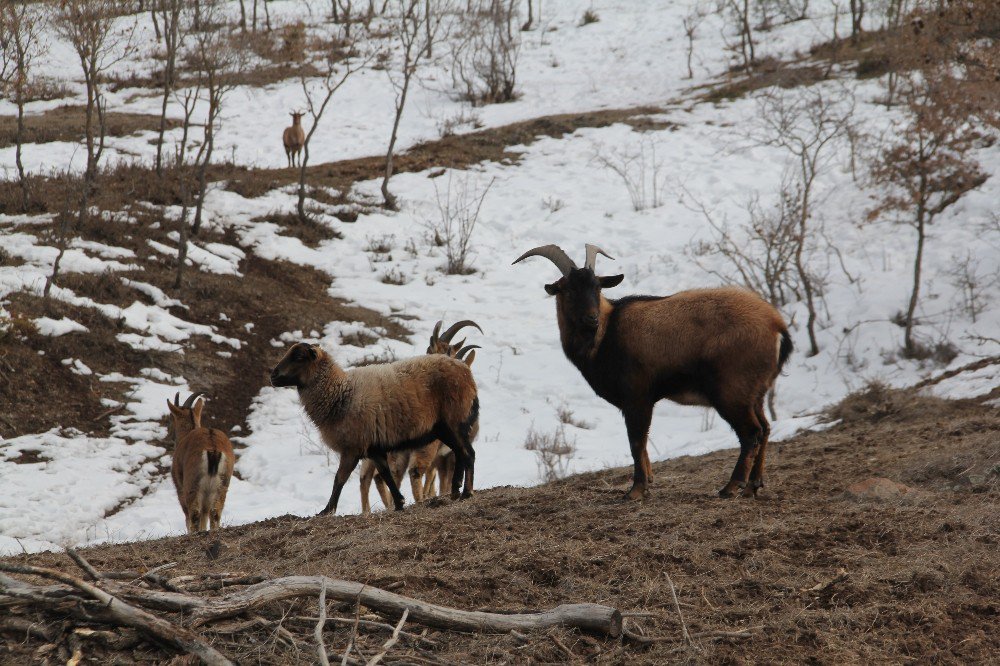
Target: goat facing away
<point x="294" y="138"/>
<point x="427" y="463"/>
<point x="371" y="411"/>
<point x="720" y="347"/>
<point x="202" y="465"/>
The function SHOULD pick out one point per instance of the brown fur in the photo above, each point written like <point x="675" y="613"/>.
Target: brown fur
<point x="294" y="138"/>
<point x="370" y="411"/>
<point x="202" y="495"/>
<point x="434" y="461"/>
<point x="721" y="347"/>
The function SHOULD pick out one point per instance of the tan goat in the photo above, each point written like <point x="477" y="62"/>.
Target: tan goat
<point x="426" y="463"/>
<point x="370" y="411"/>
<point x="202" y="466"/>
<point x="294" y="138"/>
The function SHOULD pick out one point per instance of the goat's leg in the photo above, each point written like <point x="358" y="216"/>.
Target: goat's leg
<point x="382" y="465"/>
<point x="646" y="465"/>
<point x="465" y="462"/>
<point x="347" y="464"/>
<point x="756" y="481"/>
<point x="417" y="484"/>
<point x="367" y="474"/>
<point x="429" y="477"/>
<point x="637" y="421"/>
<point x="743" y="420"/>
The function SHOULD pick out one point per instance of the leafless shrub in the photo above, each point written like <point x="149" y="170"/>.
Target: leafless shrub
<point x="394" y="276"/>
<point x="485" y="52"/>
<point x="640" y="168"/>
<point x="448" y="126"/>
<point x="589" y="16"/>
<point x="762" y="252"/>
<point x="458" y="212"/>
<point x="738" y="13"/>
<point x="567" y="417"/>
<point x="691" y="21"/>
<point x="553" y="452"/>
<point x="380" y="244"/>
<point x="966" y="276"/>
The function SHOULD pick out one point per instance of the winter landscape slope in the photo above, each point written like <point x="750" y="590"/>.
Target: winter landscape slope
<point x="379" y="274"/>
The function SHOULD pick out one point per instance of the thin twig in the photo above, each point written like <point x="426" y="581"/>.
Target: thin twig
<point x="562" y="646"/>
<point x="392" y="640"/>
<point x="677" y="605"/>
<point x="320" y="624"/>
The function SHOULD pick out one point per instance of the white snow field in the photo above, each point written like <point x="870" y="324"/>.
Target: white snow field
<point x="556" y="190"/>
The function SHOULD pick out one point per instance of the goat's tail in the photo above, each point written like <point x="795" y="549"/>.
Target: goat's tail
<point x="214" y="457"/>
<point x="785" y="348"/>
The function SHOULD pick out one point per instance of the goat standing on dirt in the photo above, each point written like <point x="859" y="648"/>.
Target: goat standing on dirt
<point x="294" y="138"/>
<point x="433" y="460"/>
<point x="370" y="411"/>
<point x="202" y="465"/>
<point x="713" y="347"/>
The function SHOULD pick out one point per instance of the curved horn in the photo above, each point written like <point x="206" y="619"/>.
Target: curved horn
<point x="592" y="252"/>
<point x="553" y="253"/>
<point x="191" y="398"/>
<point x="456" y="327"/>
<point x="437" y="331"/>
<point x="465" y="350"/>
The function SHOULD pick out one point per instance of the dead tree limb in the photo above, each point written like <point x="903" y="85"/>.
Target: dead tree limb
<point x="157" y="628"/>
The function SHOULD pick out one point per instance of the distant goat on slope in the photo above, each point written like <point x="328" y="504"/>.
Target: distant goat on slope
<point x="294" y="138"/>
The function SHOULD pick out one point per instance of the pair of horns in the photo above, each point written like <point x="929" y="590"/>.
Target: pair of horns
<point x="557" y="256"/>
<point x="452" y="330"/>
<point x="187" y="403"/>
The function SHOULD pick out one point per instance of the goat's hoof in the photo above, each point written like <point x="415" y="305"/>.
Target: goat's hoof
<point x="730" y="489"/>
<point x="751" y="488"/>
<point x="455" y="495"/>
<point x="466" y="494"/>
<point x="636" y="494"/>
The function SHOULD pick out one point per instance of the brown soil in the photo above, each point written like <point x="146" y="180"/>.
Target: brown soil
<point x="68" y="123"/>
<point x="813" y="576"/>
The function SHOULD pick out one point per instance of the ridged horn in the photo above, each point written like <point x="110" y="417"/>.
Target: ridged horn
<point x="191" y="398"/>
<point x="465" y="350"/>
<point x="177" y="399"/>
<point x="592" y="252"/>
<point x="553" y="253"/>
<point x="437" y="331"/>
<point x="456" y="327"/>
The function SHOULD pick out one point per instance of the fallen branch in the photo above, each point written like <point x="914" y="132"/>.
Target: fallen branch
<point x="320" y="624"/>
<point x="389" y="643"/>
<point x="369" y="624"/>
<point x="123" y="613"/>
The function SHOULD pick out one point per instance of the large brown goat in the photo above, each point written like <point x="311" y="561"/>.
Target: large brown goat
<point x="370" y="411"/>
<point x="202" y="465"/>
<point x="714" y="347"/>
<point x="426" y="463"/>
<point x="294" y="138"/>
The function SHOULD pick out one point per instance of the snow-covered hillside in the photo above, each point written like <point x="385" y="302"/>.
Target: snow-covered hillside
<point x="698" y="155"/>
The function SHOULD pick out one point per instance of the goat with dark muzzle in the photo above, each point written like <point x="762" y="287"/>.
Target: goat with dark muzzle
<point x="714" y="347"/>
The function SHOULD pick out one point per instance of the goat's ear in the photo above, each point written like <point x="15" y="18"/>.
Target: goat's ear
<point x="173" y="409"/>
<point x="555" y="287"/>
<point x="196" y="411"/>
<point x="608" y="281"/>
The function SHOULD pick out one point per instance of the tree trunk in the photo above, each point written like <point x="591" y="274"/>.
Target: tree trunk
<point x="243" y="16"/>
<point x="302" y="178"/>
<point x="203" y="168"/>
<point x="388" y="200"/>
<point x="531" y="16"/>
<point x="921" y="224"/>
<point x="18" y="141"/>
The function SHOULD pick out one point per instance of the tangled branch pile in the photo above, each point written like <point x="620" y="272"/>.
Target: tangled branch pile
<point x="124" y="610"/>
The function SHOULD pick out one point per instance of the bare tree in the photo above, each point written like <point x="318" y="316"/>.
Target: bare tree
<point x="458" y="213"/>
<point x="173" y="35"/>
<point x="410" y="32"/>
<point x="188" y="101"/>
<point x="91" y="27"/>
<point x="738" y="13"/>
<point x="20" y="43"/>
<point x="925" y="168"/>
<point x="805" y="124"/>
<point x="219" y="60"/>
<point x="340" y="63"/>
<point x="691" y="21"/>
<point x="485" y="53"/>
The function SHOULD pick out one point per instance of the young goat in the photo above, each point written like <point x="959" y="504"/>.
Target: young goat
<point x="431" y="461"/>
<point x="371" y="411"/>
<point x="714" y="347"/>
<point x="294" y="138"/>
<point x="202" y="466"/>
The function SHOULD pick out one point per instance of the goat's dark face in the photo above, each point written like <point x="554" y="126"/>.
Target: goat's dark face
<point x="297" y="367"/>
<point x="578" y="303"/>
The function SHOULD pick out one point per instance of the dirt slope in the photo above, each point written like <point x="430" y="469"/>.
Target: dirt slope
<point x="813" y="575"/>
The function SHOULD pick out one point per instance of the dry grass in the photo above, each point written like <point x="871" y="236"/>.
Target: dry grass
<point x="67" y="123"/>
<point x="812" y="576"/>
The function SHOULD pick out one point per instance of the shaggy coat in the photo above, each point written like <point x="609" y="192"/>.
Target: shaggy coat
<point x="370" y="411"/>
<point x="202" y="467"/>
<point x="721" y="347"/>
<point x="294" y="138"/>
